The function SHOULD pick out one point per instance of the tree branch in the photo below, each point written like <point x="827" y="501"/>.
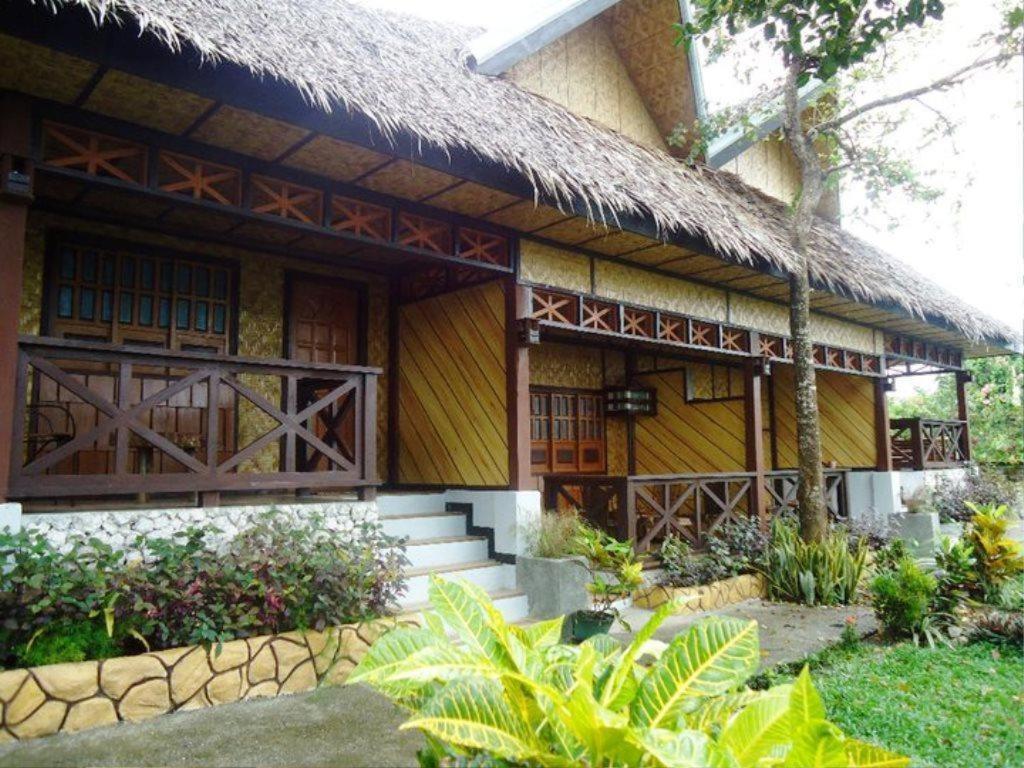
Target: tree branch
<point x="945" y="82"/>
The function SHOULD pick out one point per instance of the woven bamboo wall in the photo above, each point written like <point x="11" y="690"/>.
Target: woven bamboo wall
<point x="638" y="286"/>
<point x="545" y="265"/>
<point x="260" y="313"/>
<point x="770" y="166"/>
<point x="453" y="421"/>
<point x="582" y="71"/>
<point x="846" y="407"/>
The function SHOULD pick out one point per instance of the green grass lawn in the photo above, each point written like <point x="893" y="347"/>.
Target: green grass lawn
<point x="958" y="707"/>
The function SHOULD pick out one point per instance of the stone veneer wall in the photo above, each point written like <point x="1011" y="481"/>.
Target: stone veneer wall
<point x="73" y="697"/>
<point x="120" y="528"/>
<point x="704" y="597"/>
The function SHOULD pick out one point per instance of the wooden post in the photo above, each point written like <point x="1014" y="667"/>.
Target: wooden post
<point x="962" y="377"/>
<point x="883" y="440"/>
<point x="15" y="144"/>
<point x="518" y="306"/>
<point x="754" y="438"/>
<point x="631" y="365"/>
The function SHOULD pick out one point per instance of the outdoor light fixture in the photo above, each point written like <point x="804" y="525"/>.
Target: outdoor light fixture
<point x="15" y="177"/>
<point x="638" y="401"/>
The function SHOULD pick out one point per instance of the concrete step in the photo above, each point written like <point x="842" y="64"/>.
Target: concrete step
<point x="445" y="550"/>
<point x="512" y="604"/>
<point x="425" y="525"/>
<point x="488" y="574"/>
<point x="405" y="504"/>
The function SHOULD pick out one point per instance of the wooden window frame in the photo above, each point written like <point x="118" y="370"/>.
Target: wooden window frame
<point x="581" y="428"/>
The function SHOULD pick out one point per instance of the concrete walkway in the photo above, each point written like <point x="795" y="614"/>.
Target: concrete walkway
<point x="353" y="726"/>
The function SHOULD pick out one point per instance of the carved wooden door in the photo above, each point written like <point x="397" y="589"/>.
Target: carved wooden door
<point x="324" y="328"/>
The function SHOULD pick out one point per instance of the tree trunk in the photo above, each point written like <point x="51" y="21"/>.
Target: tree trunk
<point x="810" y="491"/>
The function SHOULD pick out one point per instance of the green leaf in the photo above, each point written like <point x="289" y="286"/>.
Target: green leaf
<point x="817" y="744"/>
<point x="805" y="703"/>
<point x="713" y="657"/>
<point x="612" y="695"/>
<point x="761" y="729"/>
<point x="863" y="755"/>
<point x="474" y="714"/>
<point x="390" y="653"/>
<point x="543" y="633"/>
<point x="464" y="610"/>
<point x="718" y="710"/>
<point x="684" y="749"/>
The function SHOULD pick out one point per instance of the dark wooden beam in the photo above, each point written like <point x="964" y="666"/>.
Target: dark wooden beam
<point x="517" y="361"/>
<point x="883" y="439"/>
<point x="962" y="378"/>
<point x="15" y="147"/>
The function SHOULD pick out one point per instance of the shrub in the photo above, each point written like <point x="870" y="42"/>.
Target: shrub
<point x="999" y="558"/>
<point x="982" y="486"/>
<point x="276" y="575"/>
<point x="555" y="535"/>
<point x="815" y="573"/>
<point x="509" y="695"/>
<point x="735" y="547"/>
<point x="902" y="598"/>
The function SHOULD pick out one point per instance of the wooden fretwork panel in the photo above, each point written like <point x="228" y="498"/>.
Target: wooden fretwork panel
<point x="289" y="201"/>
<point x="93" y="153"/>
<point x="198" y="179"/>
<point x="421" y="232"/>
<point x="475" y="245"/>
<point x="554" y="307"/>
<point x="359" y="218"/>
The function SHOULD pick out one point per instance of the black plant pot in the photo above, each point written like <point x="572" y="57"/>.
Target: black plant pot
<point x="589" y="623"/>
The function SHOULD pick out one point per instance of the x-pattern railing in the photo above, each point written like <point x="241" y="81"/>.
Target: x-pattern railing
<point x="334" y="429"/>
<point x="928" y="443"/>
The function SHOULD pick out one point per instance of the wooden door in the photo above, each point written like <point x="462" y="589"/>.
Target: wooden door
<point x="324" y="328"/>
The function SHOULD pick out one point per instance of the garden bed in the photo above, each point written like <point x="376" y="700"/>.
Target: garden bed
<point x="39" y="701"/>
<point x="703" y="597"/>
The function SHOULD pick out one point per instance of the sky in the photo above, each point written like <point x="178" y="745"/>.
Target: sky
<point x="970" y="240"/>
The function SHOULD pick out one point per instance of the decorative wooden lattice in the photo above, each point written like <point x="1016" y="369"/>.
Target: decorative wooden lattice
<point x="903" y="346"/>
<point x="600" y="315"/>
<point x="475" y="245"/>
<point x="770" y="346"/>
<point x="359" y="218"/>
<point x="735" y="339"/>
<point x="554" y="307"/>
<point x="638" y="322"/>
<point x="421" y="232"/>
<point x="287" y="200"/>
<point x="198" y="179"/>
<point x="833" y="357"/>
<point x="703" y="334"/>
<point x="94" y="153"/>
<point x="854" y="361"/>
<point x="672" y="328"/>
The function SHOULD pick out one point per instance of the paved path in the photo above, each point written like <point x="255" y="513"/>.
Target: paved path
<point x="353" y="726"/>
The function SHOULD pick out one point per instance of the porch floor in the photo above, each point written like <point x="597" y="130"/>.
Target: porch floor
<point x="354" y="726"/>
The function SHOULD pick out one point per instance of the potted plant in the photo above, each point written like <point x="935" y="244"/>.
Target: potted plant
<point x="616" y="574"/>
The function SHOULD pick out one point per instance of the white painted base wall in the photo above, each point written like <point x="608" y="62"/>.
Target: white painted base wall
<point x="873" y="495"/>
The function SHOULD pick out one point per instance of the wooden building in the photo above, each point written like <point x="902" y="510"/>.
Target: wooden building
<point x="254" y="248"/>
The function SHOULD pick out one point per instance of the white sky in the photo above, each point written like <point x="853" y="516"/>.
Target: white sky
<point x="970" y="241"/>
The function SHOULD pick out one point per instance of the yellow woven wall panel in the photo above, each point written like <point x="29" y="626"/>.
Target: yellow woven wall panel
<point x="637" y="286"/>
<point x="547" y="265"/>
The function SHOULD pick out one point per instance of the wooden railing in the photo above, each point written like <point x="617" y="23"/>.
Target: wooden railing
<point x="599" y="499"/>
<point x="928" y="443"/>
<point x="647" y="508"/>
<point x="94" y="419"/>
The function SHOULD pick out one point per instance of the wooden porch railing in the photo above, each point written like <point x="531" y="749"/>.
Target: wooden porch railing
<point x="646" y="508"/>
<point x="928" y="443"/>
<point x="95" y="419"/>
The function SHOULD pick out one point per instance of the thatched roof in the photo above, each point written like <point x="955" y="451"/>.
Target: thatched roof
<point x="409" y="75"/>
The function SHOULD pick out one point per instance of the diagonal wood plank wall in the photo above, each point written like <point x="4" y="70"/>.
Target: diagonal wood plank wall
<point x="846" y="408"/>
<point x="452" y="421"/>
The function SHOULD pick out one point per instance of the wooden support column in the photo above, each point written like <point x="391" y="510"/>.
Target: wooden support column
<point x="883" y="439"/>
<point x="962" y="378"/>
<point x="15" y="149"/>
<point x="631" y="366"/>
<point x="753" y="437"/>
<point x="518" y="307"/>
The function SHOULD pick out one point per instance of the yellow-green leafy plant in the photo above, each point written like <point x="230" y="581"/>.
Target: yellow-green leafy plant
<point x="999" y="558"/>
<point x="486" y="692"/>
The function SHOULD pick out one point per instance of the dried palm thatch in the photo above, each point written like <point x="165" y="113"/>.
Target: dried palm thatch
<point x="410" y="75"/>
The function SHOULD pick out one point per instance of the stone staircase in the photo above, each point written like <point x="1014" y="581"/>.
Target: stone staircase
<point x="439" y="541"/>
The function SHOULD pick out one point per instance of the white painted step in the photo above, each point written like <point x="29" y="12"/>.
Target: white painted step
<point x="489" y="575"/>
<point x="445" y="550"/>
<point x="512" y="604"/>
<point x="408" y="504"/>
<point x="425" y="525"/>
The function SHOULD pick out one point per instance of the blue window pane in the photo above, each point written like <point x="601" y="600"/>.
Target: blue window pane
<point x="124" y="310"/>
<point x="219" y="318"/>
<point x="202" y="281"/>
<point x="146" y="276"/>
<point x="181" y="313"/>
<point x="202" y="315"/>
<point x="145" y="310"/>
<point x="107" y="306"/>
<point x="108" y="271"/>
<point x="128" y="272"/>
<point x="220" y="284"/>
<point x="89" y="267"/>
<point x="87" y="303"/>
<point x="67" y="264"/>
<point x="164" y="314"/>
<point x="65" y="301"/>
<point x="184" y="278"/>
<point x="166" y="277"/>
